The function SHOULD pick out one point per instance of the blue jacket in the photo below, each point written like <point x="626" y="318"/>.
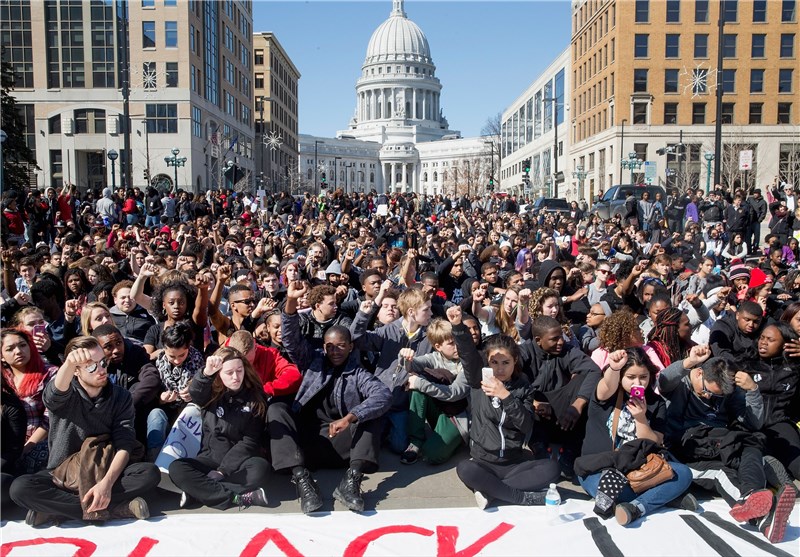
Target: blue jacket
<point x="355" y="390"/>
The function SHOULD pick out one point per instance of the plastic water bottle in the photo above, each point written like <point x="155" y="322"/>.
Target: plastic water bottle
<point x="552" y="501"/>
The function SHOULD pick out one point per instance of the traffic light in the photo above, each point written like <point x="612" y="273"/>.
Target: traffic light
<point x="324" y="181"/>
<point x="526" y="166"/>
<point x="146" y="174"/>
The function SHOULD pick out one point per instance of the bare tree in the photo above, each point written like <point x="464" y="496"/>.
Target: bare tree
<point x="735" y="140"/>
<point x="789" y="160"/>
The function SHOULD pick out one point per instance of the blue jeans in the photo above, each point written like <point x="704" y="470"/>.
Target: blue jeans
<point x="152" y="220"/>
<point x="132" y="219"/>
<point x="398" y="430"/>
<point x="655" y="497"/>
<point x="157" y="426"/>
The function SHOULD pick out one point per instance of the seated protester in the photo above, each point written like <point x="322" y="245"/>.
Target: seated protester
<point x="31" y="320"/>
<point x="563" y="379"/>
<point x="715" y="298"/>
<point x="271" y="286"/>
<point x="451" y="274"/>
<point x="713" y="415"/>
<point x="242" y="302"/>
<point x="439" y="392"/>
<point x="47" y="294"/>
<point x="502" y="418"/>
<point x="131" y="319"/>
<point x="93" y="315"/>
<point x="777" y="377"/>
<point x="671" y="336"/>
<point x="177" y="364"/>
<point x="386" y="342"/>
<point x="324" y="314"/>
<point x="173" y="301"/>
<point x="490" y="275"/>
<point x="660" y="301"/>
<point x="278" y="376"/>
<point x="546" y="301"/>
<point x="228" y="470"/>
<point x="336" y="412"/>
<point x="268" y="333"/>
<point x="509" y="318"/>
<point x="129" y="367"/>
<point x="371" y="285"/>
<point x="735" y="335"/>
<point x="618" y="332"/>
<point x="587" y="334"/>
<point x="13" y="425"/>
<point x="83" y="404"/>
<point x="28" y="376"/>
<point x="617" y="418"/>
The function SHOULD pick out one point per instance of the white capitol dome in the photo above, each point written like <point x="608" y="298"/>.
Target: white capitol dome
<point x="398" y="39"/>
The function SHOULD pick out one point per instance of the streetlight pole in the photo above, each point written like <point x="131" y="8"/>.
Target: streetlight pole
<point x="336" y="173"/>
<point x="621" y="148"/>
<point x="631" y="163"/>
<point x="112" y="156"/>
<point x="709" y="157"/>
<point x="263" y="128"/>
<point x="175" y="161"/>
<point x="554" y="100"/>
<point x="718" y="123"/>
<point x="316" y="166"/>
<point x="580" y="175"/>
<point x="491" y="176"/>
<point x="2" y="140"/>
<point x="347" y="168"/>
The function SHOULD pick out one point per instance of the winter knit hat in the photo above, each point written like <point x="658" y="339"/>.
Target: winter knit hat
<point x="758" y="278"/>
<point x="739" y="271"/>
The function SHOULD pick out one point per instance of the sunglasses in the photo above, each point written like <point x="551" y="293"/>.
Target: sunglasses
<point x="604" y="271"/>
<point x="248" y="301"/>
<point x="91" y="368"/>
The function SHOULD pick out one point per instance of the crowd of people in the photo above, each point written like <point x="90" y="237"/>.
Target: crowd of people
<point x="636" y="355"/>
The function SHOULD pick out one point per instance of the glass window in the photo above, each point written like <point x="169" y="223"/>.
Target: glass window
<point x="758" y="47"/>
<point x="672" y="45"/>
<point x="729" y="81"/>
<point x="701" y="11"/>
<point x="148" y="3"/>
<point x="258" y="54"/>
<point x="673" y="11"/>
<point x="698" y="113"/>
<point x="701" y="46"/>
<point x="671" y="81"/>
<point x="197" y="122"/>
<point x="172" y="74"/>
<point x="171" y="34"/>
<point x="148" y="34"/>
<point x="784" y="113"/>
<point x="731" y="11"/>
<point x="54" y="124"/>
<point x="670" y="113"/>
<point x="788" y="11"/>
<point x="640" y="46"/>
<point x="162" y="118"/>
<point x="640" y="80"/>
<point x="642" y="11"/>
<point x="759" y="11"/>
<point x="727" y="113"/>
<point x="755" y="113"/>
<point x="785" y="80"/>
<point x="729" y="46"/>
<point x="756" y="81"/>
<point x="170" y="2"/>
<point x="787" y="45"/>
<point x="640" y="113"/>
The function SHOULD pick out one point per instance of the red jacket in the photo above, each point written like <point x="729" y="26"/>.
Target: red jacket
<point x="279" y="376"/>
<point x="16" y="224"/>
<point x="129" y="207"/>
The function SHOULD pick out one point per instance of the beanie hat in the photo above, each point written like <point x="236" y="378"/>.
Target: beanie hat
<point x="739" y="271"/>
<point x="165" y="230"/>
<point x="758" y="278"/>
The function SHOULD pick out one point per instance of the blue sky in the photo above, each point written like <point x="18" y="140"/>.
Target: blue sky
<point x="486" y="53"/>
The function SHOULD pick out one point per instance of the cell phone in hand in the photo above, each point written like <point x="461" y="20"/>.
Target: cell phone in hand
<point x="487" y="373"/>
<point x="637" y="392"/>
<point x="39" y="329"/>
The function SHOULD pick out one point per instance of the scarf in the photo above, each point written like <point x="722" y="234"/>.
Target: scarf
<point x="176" y="378"/>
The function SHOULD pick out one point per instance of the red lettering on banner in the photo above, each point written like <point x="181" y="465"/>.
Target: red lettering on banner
<point x="143" y="547"/>
<point x="447" y="536"/>
<point x="358" y="546"/>
<point x="260" y="540"/>
<point x="85" y="547"/>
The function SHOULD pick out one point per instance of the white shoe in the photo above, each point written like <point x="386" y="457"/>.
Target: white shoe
<point x="481" y="500"/>
<point x="184" y="500"/>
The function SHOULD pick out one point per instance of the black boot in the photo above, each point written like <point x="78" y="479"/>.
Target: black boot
<point x="349" y="491"/>
<point x="307" y="491"/>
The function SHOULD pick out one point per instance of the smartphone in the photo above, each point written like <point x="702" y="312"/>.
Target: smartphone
<point x="637" y="392"/>
<point x="39" y="329"/>
<point x="487" y="373"/>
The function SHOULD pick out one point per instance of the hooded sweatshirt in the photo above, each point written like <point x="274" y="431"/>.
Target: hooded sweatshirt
<point x="106" y="207"/>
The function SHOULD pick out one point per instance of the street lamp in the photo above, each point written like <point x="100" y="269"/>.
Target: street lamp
<point x="709" y="157"/>
<point x="631" y="163"/>
<point x="112" y="156"/>
<point x="491" y="176"/>
<point x="316" y="165"/>
<point x="175" y="161"/>
<point x="580" y="175"/>
<point x="554" y="100"/>
<point x="336" y="173"/>
<point x="2" y="140"/>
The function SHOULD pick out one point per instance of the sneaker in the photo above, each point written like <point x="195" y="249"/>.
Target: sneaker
<point x="186" y="500"/>
<point x="135" y="508"/>
<point x="348" y="492"/>
<point x="755" y="505"/>
<point x="307" y="491"/>
<point x="686" y="502"/>
<point x="36" y="519"/>
<point x="627" y="513"/>
<point x="410" y="455"/>
<point x="481" y="500"/>
<point x="257" y="498"/>
<point x="773" y="525"/>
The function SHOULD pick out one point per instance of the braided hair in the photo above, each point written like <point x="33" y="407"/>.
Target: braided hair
<point x="664" y="337"/>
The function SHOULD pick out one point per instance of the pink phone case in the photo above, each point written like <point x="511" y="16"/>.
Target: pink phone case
<point x="637" y="392"/>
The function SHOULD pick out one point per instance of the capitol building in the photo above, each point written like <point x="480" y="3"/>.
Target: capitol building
<point x="398" y="138"/>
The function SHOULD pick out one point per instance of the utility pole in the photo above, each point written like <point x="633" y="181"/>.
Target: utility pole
<point x="718" y="123"/>
<point x="123" y="46"/>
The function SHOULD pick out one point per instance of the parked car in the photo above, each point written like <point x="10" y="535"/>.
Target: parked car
<point x="613" y="201"/>
<point x="549" y="204"/>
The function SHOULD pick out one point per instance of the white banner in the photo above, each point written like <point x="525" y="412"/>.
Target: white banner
<point x="430" y="532"/>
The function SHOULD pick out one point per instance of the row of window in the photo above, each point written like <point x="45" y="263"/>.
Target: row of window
<point x="730" y="10"/>
<point x="149" y="4"/>
<point x="756" y="113"/>
<point x="593" y="33"/>
<point x="150" y="75"/>
<point x="758" y="44"/>
<point x="149" y="34"/>
<point x="700" y="80"/>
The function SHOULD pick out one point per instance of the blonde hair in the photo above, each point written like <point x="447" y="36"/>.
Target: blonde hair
<point x="411" y="299"/>
<point x="20" y="315"/>
<point x="242" y="341"/>
<point x="86" y="315"/>
<point x="439" y="331"/>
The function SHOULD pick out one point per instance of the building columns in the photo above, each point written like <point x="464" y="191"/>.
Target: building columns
<point x="405" y="175"/>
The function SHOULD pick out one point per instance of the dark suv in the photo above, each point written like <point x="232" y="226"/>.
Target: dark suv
<point x="613" y="201"/>
<point x="550" y="205"/>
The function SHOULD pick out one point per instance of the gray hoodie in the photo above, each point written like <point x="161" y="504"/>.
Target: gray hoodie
<point x="106" y="207"/>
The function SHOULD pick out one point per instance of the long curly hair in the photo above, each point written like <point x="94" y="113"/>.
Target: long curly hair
<point x="180" y="285"/>
<point x="664" y="337"/>
<point x="251" y="383"/>
<point x="535" y="307"/>
<point x="618" y="330"/>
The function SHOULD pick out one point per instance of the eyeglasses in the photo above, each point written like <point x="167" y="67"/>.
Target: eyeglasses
<point x="91" y="368"/>
<point x="248" y="301"/>
<point x="705" y="393"/>
<point x="597" y="314"/>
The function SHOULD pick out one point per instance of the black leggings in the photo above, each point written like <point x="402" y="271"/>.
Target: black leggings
<point x="507" y="482"/>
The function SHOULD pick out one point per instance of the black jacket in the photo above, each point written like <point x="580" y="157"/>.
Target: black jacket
<point x="134" y="324"/>
<point x="777" y="380"/>
<point x="727" y="341"/>
<point x="137" y="375"/>
<point x="548" y="372"/>
<point x="496" y="434"/>
<point x="231" y="428"/>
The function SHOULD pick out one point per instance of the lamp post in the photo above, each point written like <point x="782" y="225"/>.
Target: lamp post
<point x="2" y="140"/>
<point x="622" y="147"/>
<point x="491" y="176"/>
<point x="336" y="173"/>
<point x="316" y="166"/>
<point x="709" y="157"/>
<point x="580" y="175"/>
<point x="631" y="163"/>
<point x="554" y="100"/>
<point x="347" y="168"/>
<point x="112" y="156"/>
<point x="262" y="99"/>
<point x="175" y="161"/>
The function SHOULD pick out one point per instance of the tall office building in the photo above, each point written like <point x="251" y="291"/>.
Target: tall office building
<point x="182" y="79"/>
<point x="275" y="80"/>
<point x="645" y="75"/>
